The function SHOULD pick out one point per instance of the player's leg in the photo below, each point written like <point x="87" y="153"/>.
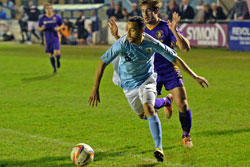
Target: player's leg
<point x="34" y="30"/>
<point x="53" y="62"/>
<point x="57" y="53"/>
<point x="165" y="102"/>
<point x="50" y="50"/>
<point x="154" y="124"/>
<point x="185" y="117"/>
<point x="147" y="93"/>
<point x="29" y="32"/>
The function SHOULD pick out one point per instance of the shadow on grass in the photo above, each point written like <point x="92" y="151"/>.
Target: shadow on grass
<point x="104" y="155"/>
<point x="38" y="78"/>
<point x="222" y="132"/>
<point x="41" y="162"/>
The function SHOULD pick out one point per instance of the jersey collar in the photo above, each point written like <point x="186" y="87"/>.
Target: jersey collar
<point x="49" y="16"/>
<point x="151" y="28"/>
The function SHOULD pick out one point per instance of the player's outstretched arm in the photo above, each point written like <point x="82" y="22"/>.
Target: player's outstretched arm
<point x="183" y="66"/>
<point x="113" y="28"/>
<point x="183" y="43"/>
<point x="94" y="97"/>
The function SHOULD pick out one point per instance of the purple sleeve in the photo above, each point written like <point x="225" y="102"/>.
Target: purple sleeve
<point x="59" y="20"/>
<point x="40" y="22"/>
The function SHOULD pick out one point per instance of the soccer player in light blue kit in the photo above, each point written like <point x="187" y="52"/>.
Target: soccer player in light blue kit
<point x="51" y="24"/>
<point x="133" y="55"/>
<point x="168" y="75"/>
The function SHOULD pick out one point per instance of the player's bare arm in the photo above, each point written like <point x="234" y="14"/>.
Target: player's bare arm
<point x="94" y="97"/>
<point x="183" y="66"/>
<point x="183" y="43"/>
<point x="113" y="28"/>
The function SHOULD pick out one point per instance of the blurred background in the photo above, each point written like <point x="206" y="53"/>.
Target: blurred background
<point x="206" y="23"/>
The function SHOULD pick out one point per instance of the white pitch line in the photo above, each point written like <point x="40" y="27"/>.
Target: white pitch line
<point x="57" y="141"/>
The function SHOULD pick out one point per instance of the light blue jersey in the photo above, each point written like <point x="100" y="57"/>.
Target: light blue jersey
<point x="133" y="64"/>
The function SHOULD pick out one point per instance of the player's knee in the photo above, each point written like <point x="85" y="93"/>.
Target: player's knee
<point x="183" y="107"/>
<point x="142" y="116"/>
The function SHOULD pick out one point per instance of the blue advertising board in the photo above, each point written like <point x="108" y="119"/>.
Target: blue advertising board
<point x="239" y="36"/>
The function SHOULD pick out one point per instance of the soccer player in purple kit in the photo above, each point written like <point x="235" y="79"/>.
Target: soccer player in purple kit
<point x="51" y="24"/>
<point x="167" y="73"/>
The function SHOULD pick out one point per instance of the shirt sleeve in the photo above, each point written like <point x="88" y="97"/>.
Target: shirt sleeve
<point x="112" y="52"/>
<point x="59" y="20"/>
<point x="40" y="23"/>
<point x="165" y="51"/>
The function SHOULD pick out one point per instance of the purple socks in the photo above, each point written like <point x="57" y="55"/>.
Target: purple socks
<point x="186" y="122"/>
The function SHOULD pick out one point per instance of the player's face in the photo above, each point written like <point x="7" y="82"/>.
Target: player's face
<point x="49" y="10"/>
<point x="134" y="33"/>
<point x="149" y="15"/>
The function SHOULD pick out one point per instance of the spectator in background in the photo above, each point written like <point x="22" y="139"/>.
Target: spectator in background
<point x="69" y="24"/>
<point x="207" y="12"/>
<point x="176" y="6"/>
<point x="7" y="35"/>
<point x="170" y="10"/>
<point x="118" y="12"/>
<point x="82" y="33"/>
<point x="33" y="17"/>
<point x="125" y="14"/>
<point x="22" y="21"/>
<point x="200" y="11"/>
<point x="240" y="11"/>
<point x="1" y="3"/>
<point x="111" y="10"/>
<point x="94" y="21"/>
<point x="11" y="5"/>
<point x="3" y="14"/>
<point x="66" y="31"/>
<point x="135" y="11"/>
<point x="217" y="12"/>
<point x="186" y="11"/>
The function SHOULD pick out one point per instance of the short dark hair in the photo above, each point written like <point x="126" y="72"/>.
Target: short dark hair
<point x="138" y="20"/>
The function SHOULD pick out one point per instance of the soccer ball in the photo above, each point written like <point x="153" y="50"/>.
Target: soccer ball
<point x="82" y="154"/>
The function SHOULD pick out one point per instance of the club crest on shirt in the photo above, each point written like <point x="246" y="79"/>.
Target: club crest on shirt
<point x="159" y="34"/>
<point x="54" y="18"/>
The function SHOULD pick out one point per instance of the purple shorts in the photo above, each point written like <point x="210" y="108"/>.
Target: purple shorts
<point x="169" y="84"/>
<point x="51" y="46"/>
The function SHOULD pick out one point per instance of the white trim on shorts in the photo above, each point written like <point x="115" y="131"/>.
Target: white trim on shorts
<point x="146" y="93"/>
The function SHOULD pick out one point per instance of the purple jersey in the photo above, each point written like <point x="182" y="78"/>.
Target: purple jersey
<point x="165" y="70"/>
<point x="50" y="23"/>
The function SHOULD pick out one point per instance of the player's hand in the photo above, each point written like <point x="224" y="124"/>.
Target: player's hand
<point x="175" y="19"/>
<point x="94" y="98"/>
<point x="42" y="28"/>
<point x="57" y="29"/>
<point x="113" y="27"/>
<point x="202" y="81"/>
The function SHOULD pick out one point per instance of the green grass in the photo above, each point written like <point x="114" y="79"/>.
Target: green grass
<point x="43" y="115"/>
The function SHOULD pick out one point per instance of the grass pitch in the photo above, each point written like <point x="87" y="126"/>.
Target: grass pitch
<point x="42" y="116"/>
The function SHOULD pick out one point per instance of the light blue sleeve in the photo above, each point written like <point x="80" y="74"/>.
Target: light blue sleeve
<point x="112" y="52"/>
<point x="165" y="51"/>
